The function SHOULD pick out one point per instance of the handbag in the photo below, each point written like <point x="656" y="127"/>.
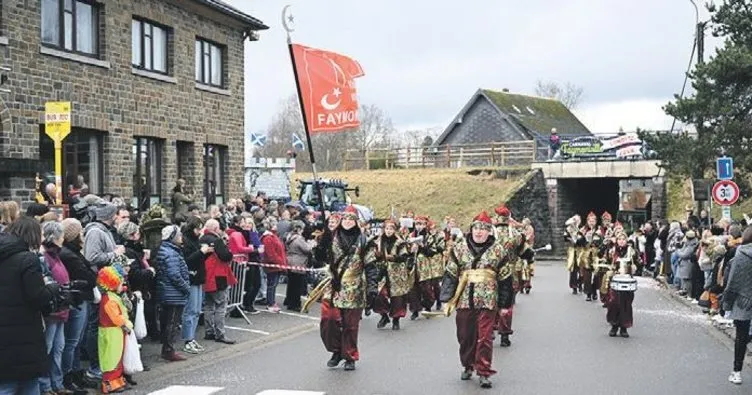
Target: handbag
<point x="131" y="355"/>
<point x="139" y="326"/>
<point x="704" y="300"/>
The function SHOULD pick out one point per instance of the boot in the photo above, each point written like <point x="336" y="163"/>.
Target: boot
<point x="334" y="360"/>
<point x="485" y="382"/>
<point x="467" y="374"/>
<point x="623" y="332"/>
<point x="349" y="365"/>
<point x="73" y="381"/>
<point x="382" y="322"/>
<point x="414" y="315"/>
<point x="129" y="379"/>
<point x="588" y="298"/>
<point x="438" y="305"/>
<point x="574" y="291"/>
<point x="173" y="357"/>
<point x="527" y="290"/>
<point x="612" y="332"/>
<point x="505" y="342"/>
<point x="395" y="324"/>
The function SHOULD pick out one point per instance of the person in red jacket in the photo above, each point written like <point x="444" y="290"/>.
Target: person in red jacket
<point x="219" y="278"/>
<point x="236" y="234"/>
<point x="274" y="254"/>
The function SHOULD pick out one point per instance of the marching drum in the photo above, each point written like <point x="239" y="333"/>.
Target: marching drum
<point x="623" y="283"/>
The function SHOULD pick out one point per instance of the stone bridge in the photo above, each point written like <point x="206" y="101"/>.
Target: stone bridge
<point x="616" y="186"/>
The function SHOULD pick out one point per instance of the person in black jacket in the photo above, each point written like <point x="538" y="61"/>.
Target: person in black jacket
<point x="24" y="298"/>
<point x="195" y="254"/>
<point x="141" y="274"/>
<point x="78" y="270"/>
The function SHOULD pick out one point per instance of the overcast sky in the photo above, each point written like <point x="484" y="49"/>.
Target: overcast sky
<point x="423" y="59"/>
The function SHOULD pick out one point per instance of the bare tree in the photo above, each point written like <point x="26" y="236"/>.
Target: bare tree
<point x="569" y="94"/>
<point x="375" y="128"/>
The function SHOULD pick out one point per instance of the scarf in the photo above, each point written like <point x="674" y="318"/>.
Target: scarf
<point x="738" y="292"/>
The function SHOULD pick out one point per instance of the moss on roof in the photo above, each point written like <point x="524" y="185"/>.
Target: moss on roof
<point x="538" y="114"/>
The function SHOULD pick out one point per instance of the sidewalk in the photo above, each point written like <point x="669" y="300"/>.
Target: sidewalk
<point x="265" y="327"/>
<point x="723" y="330"/>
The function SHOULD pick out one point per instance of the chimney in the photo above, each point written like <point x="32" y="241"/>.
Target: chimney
<point x="505" y="90"/>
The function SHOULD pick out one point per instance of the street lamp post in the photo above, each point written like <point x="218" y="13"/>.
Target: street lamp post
<point x="697" y="45"/>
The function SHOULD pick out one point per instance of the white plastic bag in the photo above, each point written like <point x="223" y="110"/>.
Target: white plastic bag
<point x="132" y="356"/>
<point x="139" y="326"/>
<point x="97" y="295"/>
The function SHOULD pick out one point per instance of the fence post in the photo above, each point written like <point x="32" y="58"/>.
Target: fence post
<point x="535" y="150"/>
<point x="449" y="156"/>
<point x="462" y="152"/>
<point x="503" y="156"/>
<point x="347" y="159"/>
<point x="423" y="156"/>
<point x="368" y="162"/>
<point x="493" y="150"/>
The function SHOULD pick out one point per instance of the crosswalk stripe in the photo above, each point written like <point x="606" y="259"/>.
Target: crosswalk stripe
<point x="187" y="390"/>
<point x="248" y="330"/>
<point x="289" y="392"/>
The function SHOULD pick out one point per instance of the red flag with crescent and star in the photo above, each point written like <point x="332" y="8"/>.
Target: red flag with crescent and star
<point x="327" y="84"/>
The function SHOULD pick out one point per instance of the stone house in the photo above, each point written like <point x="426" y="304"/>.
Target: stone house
<point x="492" y="116"/>
<point x="157" y="93"/>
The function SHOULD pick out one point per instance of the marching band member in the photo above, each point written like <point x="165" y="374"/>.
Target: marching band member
<point x="477" y="282"/>
<point x="394" y="266"/>
<point x="352" y="287"/>
<point x="528" y="260"/>
<point x="587" y="256"/>
<point x="511" y="240"/>
<point x="429" y="267"/>
<point x="607" y="227"/>
<point x="574" y="238"/>
<point x="623" y="259"/>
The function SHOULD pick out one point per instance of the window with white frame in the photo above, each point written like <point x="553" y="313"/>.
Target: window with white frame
<point x="149" y="46"/>
<point x="71" y="25"/>
<point x="209" y="63"/>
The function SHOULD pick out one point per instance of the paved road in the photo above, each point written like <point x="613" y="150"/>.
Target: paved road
<point x="560" y="346"/>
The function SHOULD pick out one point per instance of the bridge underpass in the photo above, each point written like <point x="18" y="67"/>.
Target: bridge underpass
<point x="619" y="187"/>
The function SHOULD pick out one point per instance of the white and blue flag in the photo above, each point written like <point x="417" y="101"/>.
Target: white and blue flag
<point x="258" y="140"/>
<point x="297" y="143"/>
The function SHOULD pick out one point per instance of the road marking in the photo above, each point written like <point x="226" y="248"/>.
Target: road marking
<point x="308" y="317"/>
<point x="187" y="390"/>
<point x="248" y="330"/>
<point x="289" y="392"/>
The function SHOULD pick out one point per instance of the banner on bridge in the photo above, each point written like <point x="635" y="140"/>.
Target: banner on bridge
<point x="624" y="146"/>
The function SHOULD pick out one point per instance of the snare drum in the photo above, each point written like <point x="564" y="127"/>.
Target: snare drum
<point x="623" y="283"/>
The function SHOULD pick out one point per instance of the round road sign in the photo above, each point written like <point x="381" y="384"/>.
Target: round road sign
<point x="725" y="192"/>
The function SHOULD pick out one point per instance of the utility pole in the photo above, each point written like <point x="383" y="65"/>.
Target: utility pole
<point x="701" y="42"/>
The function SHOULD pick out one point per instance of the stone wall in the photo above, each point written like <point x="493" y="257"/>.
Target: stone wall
<point x="111" y="97"/>
<point x="530" y="200"/>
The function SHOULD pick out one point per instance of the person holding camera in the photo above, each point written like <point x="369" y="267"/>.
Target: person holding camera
<point x="24" y="297"/>
<point x="52" y="243"/>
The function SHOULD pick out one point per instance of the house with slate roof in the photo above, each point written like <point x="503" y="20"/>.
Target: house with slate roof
<point x="492" y="116"/>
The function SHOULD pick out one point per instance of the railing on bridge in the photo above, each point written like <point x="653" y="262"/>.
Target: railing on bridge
<point x="501" y="154"/>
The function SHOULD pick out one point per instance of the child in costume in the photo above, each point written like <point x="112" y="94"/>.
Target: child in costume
<point x="113" y="327"/>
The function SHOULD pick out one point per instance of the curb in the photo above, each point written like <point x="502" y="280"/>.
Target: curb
<point x="726" y="336"/>
<point x="169" y="369"/>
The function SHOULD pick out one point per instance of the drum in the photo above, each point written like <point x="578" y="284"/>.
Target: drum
<point x="623" y="283"/>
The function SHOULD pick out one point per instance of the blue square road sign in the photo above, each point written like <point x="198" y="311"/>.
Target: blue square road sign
<point x="725" y="168"/>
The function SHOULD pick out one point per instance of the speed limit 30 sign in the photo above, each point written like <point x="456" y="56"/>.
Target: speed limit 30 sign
<point x="725" y="192"/>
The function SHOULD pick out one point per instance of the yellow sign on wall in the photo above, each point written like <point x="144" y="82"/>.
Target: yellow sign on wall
<point x="57" y="120"/>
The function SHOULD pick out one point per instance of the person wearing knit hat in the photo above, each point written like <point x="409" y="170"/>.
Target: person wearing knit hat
<point x="477" y="284"/>
<point x="106" y="212"/>
<point x="351" y="289"/>
<point x="126" y="230"/>
<point x="429" y="266"/>
<point x="114" y="325"/>
<point x="513" y="240"/>
<point x="623" y="259"/>
<point x="72" y="229"/>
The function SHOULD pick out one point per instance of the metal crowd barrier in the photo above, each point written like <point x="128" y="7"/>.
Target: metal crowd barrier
<point x="237" y="292"/>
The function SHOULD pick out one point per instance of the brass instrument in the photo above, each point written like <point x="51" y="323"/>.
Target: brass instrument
<point x="316" y="294"/>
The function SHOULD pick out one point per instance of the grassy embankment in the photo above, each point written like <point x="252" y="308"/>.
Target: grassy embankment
<point x="433" y="192"/>
<point x="680" y="195"/>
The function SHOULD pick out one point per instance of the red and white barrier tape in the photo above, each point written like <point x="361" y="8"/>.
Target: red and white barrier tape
<point x="244" y="261"/>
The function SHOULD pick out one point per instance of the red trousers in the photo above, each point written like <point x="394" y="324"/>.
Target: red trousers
<point x="619" y="308"/>
<point x="475" y="335"/>
<point x="394" y="307"/>
<point x="339" y="330"/>
<point x="423" y="295"/>
<point x="503" y="322"/>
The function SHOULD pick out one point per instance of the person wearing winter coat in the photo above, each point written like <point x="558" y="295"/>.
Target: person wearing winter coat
<point x="24" y="298"/>
<point x="219" y="277"/>
<point x="737" y="300"/>
<point x="78" y="270"/>
<point x="298" y="254"/>
<point x="274" y="254"/>
<point x="673" y="243"/>
<point x="195" y="257"/>
<point x="687" y="256"/>
<point x="173" y="288"/>
<point x="141" y="274"/>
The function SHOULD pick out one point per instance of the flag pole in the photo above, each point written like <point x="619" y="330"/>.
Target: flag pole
<point x="287" y="19"/>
